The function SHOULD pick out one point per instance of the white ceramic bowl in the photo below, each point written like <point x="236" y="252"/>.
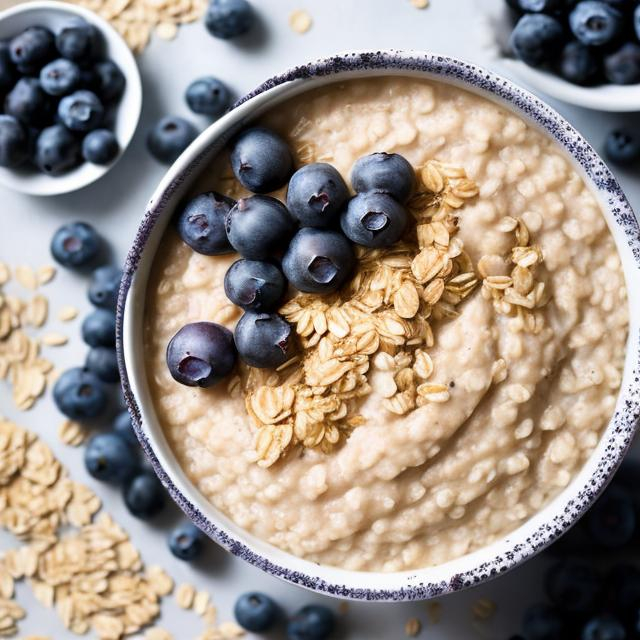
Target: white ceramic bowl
<point x="470" y="569"/>
<point x="53" y="15"/>
<point x="605" y="97"/>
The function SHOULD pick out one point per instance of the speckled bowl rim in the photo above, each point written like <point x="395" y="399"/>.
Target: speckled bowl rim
<point x="541" y="530"/>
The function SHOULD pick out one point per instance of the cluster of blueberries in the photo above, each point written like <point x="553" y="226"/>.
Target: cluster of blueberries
<point x="306" y="244"/>
<point x="81" y="393"/>
<point x="59" y="98"/>
<point x="586" y="41"/>
<point x="587" y="598"/>
<point x="257" y="612"/>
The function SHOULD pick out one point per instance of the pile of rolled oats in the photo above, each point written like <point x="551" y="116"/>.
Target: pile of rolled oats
<point x="385" y="313"/>
<point x="85" y="567"/>
<point x="136" y="20"/>
<point x="517" y="293"/>
<point x="21" y="363"/>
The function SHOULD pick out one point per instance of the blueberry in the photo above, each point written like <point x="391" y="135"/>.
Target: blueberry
<point x="13" y="142"/>
<point x="229" y="18"/>
<point x="100" y="146"/>
<point x="623" y="66"/>
<point x="208" y="96"/>
<point x="32" y="49"/>
<point x="81" y="111"/>
<point x="144" y="495"/>
<point x="374" y="220"/>
<point x="7" y="70"/>
<point x="103" y="362"/>
<point x="254" y="285"/>
<point x="109" y="458"/>
<point x="255" y="611"/>
<point x="622" y="148"/>
<point x="386" y="172"/>
<point x="611" y="522"/>
<point x="264" y="340"/>
<point x="604" y="627"/>
<point x="579" y="64"/>
<point x="78" y="41"/>
<point x="123" y="426"/>
<point x="75" y="245"/>
<point x="540" y="6"/>
<point x="636" y="21"/>
<point x="110" y="81"/>
<point x="60" y="77"/>
<point x="536" y="38"/>
<point x="201" y="354"/>
<point x="28" y="103"/>
<point x="595" y="23"/>
<point x="261" y="160"/>
<point x="623" y="586"/>
<point x="104" y="286"/>
<point x="79" y="394"/>
<point x="99" y="328"/>
<point x="259" y="226"/>
<point x="169" y="137"/>
<point x="316" y="195"/>
<point x="57" y="150"/>
<point x="313" y="622"/>
<point x="186" y="541"/>
<point x="543" y="622"/>
<point x="318" y="261"/>
<point x="573" y="586"/>
<point x="201" y="223"/>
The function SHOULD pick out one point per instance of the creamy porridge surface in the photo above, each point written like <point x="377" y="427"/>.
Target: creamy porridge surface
<point x="410" y="491"/>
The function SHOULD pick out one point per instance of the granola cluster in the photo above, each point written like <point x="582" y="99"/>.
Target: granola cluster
<point x="383" y="313"/>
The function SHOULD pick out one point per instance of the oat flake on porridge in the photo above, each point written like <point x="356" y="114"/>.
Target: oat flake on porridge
<point x="520" y="380"/>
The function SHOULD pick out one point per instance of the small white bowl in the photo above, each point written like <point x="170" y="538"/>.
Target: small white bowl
<point x="604" y="97"/>
<point x="53" y="15"/>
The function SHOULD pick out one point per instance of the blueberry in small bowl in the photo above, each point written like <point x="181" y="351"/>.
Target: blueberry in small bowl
<point x="51" y="51"/>
<point x="585" y="52"/>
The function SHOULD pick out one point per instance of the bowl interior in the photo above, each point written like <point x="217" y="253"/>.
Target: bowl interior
<point x="53" y="15"/>
<point x="548" y="524"/>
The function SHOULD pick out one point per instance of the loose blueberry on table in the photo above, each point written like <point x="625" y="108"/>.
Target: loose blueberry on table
<point x="208" y="96"/>
<point x="79" y="394"/>
<point x="75" y="245"/>
<point x="169" y="137"/>
<point x="586" y="42"/>
<point x="255" y="611"/>
<point x="143" y="494"/>
<point x="186" y="541"/>
<point x="229" y="18"/>
<point x="110" y="459"/>
<point x="57" y="88"/>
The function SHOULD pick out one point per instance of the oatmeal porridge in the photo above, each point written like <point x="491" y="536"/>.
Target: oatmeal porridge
<point x="452" y="387"/>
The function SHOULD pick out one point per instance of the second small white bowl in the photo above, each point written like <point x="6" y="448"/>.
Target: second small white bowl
<point x="53" y="15"/>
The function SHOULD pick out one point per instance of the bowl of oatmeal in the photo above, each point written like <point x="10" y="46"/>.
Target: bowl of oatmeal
<point x="466" y="393"/>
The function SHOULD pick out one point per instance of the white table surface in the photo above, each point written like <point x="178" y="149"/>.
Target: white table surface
<point x="115" y="205"/>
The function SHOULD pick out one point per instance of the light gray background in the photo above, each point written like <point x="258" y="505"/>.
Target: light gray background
<point x="115" y="205"/>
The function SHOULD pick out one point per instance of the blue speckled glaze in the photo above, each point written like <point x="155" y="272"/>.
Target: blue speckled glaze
<point x="517" y="546"/>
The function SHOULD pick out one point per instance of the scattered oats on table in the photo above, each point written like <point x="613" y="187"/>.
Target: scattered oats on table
<point x="185" y="594"/>
<point x="67" y="313"/>
<point x="413" y="627"/>
<point x="135" y="20"/>
<point x="74" y="558"/>
<point x="46" y="273"/>
<point x="483" y="608"/>
<point x="54" y="339"/>
<point x="300" y="21"/>
<point x="420" y="4"/>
